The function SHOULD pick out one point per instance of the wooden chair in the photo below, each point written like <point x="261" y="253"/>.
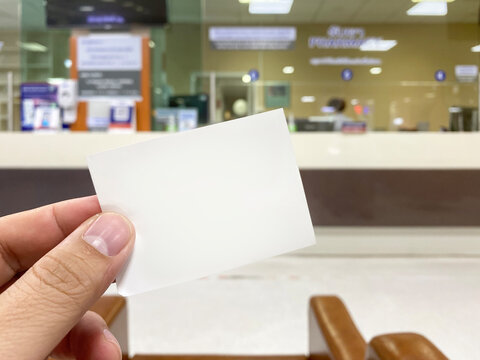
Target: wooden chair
<point x="333" y="335"/>
<point x="113" y="309"/>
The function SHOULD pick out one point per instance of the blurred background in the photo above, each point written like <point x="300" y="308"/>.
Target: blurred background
<point x="398" y="65"/>
<point x="381" y="98"/>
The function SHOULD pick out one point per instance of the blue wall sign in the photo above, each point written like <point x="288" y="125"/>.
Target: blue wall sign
<point x="254" y="75"/>
<point x="347" y="74"/>
<point x="440" y="75"/>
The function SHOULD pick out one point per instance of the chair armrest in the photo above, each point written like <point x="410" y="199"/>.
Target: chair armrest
<point x="219" y="357"/>
<point x="113" y="309"/>
<point x="332" y="332"/>
<point x="406" y="346"/>
<point x="109" y="307"/>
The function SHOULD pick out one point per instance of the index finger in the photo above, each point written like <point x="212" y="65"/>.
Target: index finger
<point x="27" y="236"/>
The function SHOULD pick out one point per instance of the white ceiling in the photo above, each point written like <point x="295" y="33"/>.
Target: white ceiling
<point x="340" y="11"/>
<point x="303" y="11"/>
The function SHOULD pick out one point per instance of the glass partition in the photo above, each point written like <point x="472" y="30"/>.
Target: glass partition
<point x="401" y="66"/>
<point x="9" y="63"/>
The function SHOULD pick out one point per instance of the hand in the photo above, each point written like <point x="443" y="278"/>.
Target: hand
<point x="55" y="262"/>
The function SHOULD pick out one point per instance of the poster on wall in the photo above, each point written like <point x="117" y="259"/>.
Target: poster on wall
<point x="109" y="66"/>
<point x="39" y="110"/>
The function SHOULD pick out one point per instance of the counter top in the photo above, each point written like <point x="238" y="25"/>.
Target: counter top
<point x="379" y="150"/>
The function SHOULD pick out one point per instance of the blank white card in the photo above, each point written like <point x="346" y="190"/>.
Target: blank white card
<point x="206" y="200"/>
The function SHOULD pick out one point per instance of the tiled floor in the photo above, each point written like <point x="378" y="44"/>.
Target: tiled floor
<point x="262" y="308"/>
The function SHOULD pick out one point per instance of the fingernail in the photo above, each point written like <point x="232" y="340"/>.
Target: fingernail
<point x="109" y="234"/>
<point x="110" y="338"/>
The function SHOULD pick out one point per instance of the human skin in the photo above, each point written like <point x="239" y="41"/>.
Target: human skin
<point x="55" y="262"/>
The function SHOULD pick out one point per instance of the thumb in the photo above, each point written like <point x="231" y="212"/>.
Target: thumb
<point x="39" y="309"/>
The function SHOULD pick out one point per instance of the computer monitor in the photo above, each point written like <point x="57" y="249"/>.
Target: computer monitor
<point x="306" y="125"/>
<point x="199" y="101"/>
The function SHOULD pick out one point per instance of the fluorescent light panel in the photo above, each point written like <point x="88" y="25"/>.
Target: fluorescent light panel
<point x="288" y="70"/>
<point x="270" y="6"/>
<point x="33" y="46"/>
<point x="308" y="99"/>
<point x="418" y="1"/>
<point x="376" y="70"/>
<point x="429" y="8"/>
<point x="476" y="48"/>
<point x="378" y="45"/>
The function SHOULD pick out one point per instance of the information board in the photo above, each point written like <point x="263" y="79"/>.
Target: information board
<point x="109" y="66"/>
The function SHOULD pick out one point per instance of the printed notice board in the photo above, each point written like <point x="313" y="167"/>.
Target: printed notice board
<point x="109" y="66"/>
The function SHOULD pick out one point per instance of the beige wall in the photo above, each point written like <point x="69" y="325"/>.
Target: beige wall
<point x="406" y="88"/>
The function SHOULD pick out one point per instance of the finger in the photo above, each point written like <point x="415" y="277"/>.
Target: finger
<point x="40" y="308"/>
<point x="90" y="339"/>
<point x="27" y="236"/>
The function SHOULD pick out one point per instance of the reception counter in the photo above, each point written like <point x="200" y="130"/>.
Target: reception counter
<point x="313" y="150"/>
<point x="375" y="179"/>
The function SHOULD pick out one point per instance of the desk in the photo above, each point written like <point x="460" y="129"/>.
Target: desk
<point x="375" y="179"/>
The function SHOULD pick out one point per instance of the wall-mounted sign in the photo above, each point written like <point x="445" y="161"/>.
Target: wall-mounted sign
<point x="122" y="115"/>
<point x="252" y="37"/>
<point x="109" y="66"/>
<point x="254" y="75"/>
<point x="345" y="61"/>
<point x="340" y="38"/>
<point x="350" y="38"/>
<point x="440" y="75"/>
<point x="347" y="74"/>
<point x="466" y="73"/>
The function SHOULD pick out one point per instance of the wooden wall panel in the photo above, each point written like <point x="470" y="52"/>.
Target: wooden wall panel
<point x="335" y="197"/>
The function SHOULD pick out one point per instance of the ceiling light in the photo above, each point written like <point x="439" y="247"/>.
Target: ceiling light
<point x="398" y="121"/>
<point x="378" y="45"/>
<point x="308" y="99"/>
<point x="375" y="70"/>
<point x="246" y="78"/>
<point x="418" y="1"/>
<point x="244" y="1"/>
<point x="86" y="8"/>
<point x="429" y="8"/>
<point x="328" y="109"/>
<point x="288" y="70"/>
<point x="270" y="6"/>
<point x="33" y="46"/>
<point x="476" y="48"/>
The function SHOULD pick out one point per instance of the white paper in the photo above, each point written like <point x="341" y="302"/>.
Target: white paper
<point x="206" y="200"/>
